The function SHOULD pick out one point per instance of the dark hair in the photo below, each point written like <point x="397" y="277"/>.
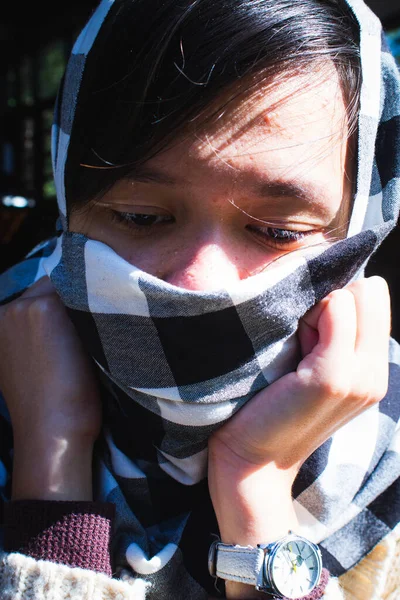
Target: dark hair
<point x="158" y="64"/>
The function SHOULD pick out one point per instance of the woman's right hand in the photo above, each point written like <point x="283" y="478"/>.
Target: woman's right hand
<point x="51" y="392"/>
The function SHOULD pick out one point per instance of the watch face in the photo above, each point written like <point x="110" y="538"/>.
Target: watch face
<point x="294" y="567"/>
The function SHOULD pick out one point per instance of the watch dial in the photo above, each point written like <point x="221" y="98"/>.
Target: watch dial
<point x="294" y="568"/>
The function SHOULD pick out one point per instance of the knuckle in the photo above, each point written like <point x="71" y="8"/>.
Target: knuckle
<point x="12" y="310"/>
<point x="335" y="388"/>
<point x="42" y="305"/>
<point x="363" y="396"/>
<point x="370" y="288"/>
<point x="377" y="289"/>
<point x="378" y="282"/>
<point x="27" y="308"/>
<point x="379" y="392"/>
<point x="370" y="394"/>
<point x="341" y="295"/>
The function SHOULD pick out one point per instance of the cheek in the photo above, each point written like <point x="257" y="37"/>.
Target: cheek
<point x="150" y="254"/>
<point x="85" y="221"/>
<point x="152" y="257"/>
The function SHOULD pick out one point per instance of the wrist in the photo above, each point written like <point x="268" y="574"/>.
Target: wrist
<point x="252" y="503"/>
<point x="247" y="522"/>
<point x="52" y="467"/>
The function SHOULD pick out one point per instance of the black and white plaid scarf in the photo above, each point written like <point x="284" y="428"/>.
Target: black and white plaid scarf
<point x="175" y="364"/>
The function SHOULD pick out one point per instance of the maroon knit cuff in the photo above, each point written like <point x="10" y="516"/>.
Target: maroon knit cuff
<point x="318" y="592"/>
<point x="76" y="534"/>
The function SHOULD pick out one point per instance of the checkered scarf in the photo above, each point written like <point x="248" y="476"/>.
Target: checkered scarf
<point x="175" y="364"/>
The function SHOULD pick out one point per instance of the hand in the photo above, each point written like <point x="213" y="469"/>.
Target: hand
<point x="255" y="456"/>
<point x="344" y="370"/>
<point x="51" y="393"/>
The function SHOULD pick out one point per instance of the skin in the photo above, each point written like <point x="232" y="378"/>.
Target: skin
<point x="277" y="158"/>
<point x="208" y="229"/>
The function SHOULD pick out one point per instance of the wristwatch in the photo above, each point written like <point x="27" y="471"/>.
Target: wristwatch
<point x="288" y="568"/>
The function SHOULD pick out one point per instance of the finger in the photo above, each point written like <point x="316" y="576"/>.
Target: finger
<point x="308" y="327"/>
<point x="41" y="287"/>
<point x="308" y="337"/>
<point x="337" y="324"/>
<point x="335" y="319"/>
<point x="373" y="333"/>
<point x="372" y="301"/>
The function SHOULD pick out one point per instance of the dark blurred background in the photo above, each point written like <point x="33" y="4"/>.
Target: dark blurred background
<point x="35" y="41"/>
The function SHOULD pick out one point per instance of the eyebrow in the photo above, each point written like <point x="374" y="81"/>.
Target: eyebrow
<point x="146" y="175"/>
<point x="305" y="192"/>
<point x="297" y="189"/>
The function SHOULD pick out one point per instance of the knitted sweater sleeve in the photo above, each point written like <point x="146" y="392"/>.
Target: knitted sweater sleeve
<point x="24" y="578"/>
<point x="60" y="551"/>
<point x="76" y="534"/>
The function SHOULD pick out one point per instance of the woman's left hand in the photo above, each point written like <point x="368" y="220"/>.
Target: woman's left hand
<point x="255" y="456"/>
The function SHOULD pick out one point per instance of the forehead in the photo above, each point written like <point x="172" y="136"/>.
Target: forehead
<point x="290" y="122"/>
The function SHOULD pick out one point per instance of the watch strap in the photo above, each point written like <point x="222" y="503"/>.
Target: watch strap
<point x="243" y="564"/>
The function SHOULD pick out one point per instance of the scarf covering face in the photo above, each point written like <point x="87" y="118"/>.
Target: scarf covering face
<point x="175" y="364"/>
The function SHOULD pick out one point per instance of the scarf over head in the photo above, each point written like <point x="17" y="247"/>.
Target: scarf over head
<point x="175" y="364"/>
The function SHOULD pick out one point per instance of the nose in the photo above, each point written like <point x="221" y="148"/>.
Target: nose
<point x="208" y="268"/>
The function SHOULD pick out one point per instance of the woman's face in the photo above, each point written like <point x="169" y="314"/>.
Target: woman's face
<point x="221" y="203"/>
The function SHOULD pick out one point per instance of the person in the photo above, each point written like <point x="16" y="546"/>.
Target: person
<point x="197" y="355"/>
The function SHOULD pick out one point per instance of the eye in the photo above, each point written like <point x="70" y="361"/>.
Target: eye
<point x="280" y="237"/>
<point x="140" y="220"/>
